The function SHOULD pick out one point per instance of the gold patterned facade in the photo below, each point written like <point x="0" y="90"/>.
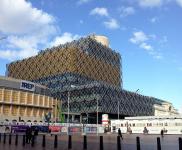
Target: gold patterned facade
<point x="70" y="59"/>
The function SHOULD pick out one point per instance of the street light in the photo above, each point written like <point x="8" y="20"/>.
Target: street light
<point x="68" y="117"/>
<point x="97" y="116"/>
<point x="54" y="111"/>
<point x="118" y="109"/>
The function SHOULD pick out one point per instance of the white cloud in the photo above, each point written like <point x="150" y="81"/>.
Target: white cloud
<point x="154" y="19"/>
<point x="8" y="54"/>
<point x="20" y="47"/>
<point x="20" y="17"/>
<point x="81" y="21"/>
<point x="99" y="11"/>
<point x="80" y="2"/>
<point x="112" y="24"/>
<point x="26" y="27"/>
<point x="157" y="3"/>
<point x="157" y="56"/>
<point x="27" y="46"/>
<point x="146" y="46"/>
<point x="66" y="37"/>
<point x="126" y="11"/>
<point x="138" y="37"/>
<point x="150" y="3"/>
<point x="179" y="2"/>
<point x="13" y="54"/>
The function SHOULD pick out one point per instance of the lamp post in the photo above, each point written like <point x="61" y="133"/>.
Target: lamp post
<point x="97" y="117"/>
<point x="118" y="109"/>
<point x="54" y="111"/>
<point x="68" y="122"/>
<point x="68" y="116"/>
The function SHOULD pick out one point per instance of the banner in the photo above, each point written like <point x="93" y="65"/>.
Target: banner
<point x="55" y="128"/>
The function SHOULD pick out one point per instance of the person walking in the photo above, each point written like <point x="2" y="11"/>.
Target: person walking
<point x="36" y="133"/>
<point x="119" y="133"/>
<point x="162" y="133"/>
<point x="29" y="135"/>
<point x="27" y="131"/>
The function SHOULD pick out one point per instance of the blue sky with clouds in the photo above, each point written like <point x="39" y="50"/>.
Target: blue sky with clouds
<point x="147" y="33"/>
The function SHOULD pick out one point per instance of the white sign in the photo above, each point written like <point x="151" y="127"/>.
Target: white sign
<point x="29" y="86"/>
<point x="105" y="119"/>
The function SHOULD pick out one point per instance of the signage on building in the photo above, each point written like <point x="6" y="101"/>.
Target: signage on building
<point x="29" y="86"/>
<point x="105" y="119"/>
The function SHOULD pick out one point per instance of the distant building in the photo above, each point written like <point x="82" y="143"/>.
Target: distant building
<point x="22" y="100"/>
<point x="165" y="109"/>
<point x="89" y="74"/>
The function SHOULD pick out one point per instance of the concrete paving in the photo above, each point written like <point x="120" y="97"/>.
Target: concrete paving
<point x="147" y="142"/>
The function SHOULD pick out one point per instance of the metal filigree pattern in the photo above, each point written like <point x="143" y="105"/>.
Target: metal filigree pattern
<point x="95" y="72"/>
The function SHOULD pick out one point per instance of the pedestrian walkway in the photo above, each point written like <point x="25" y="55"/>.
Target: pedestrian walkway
<point x="147" y="142"/>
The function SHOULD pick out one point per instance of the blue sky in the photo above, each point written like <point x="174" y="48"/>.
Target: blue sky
<point x="147" y="33"/>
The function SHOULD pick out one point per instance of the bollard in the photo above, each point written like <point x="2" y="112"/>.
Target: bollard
<point x="158" y="143"/>
<point x="101" y="143"/>
<point x="138" y="142"/>
<point x="118" y="143"/>
<point x="16" y="139"/>
<point x="56" y="141"/>
<point x="10" y="139"/>
<point x="69" y="142"/>
<point x="85" y="142"/>
<point x="33" y="140"/>
<point x="180" y="143"/>
<point x="23" y="140"/>
<point x="4" y="141"/>
<point x="43" y="141"/>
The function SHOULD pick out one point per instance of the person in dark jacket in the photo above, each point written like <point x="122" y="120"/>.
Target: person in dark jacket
<point x="162" y="133"/>
<point x="28" y="135"/>
<point x="119" y="133"/>
<point x="36" y="131"/>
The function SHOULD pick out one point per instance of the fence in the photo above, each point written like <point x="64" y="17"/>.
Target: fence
<point x="53" y="127"/>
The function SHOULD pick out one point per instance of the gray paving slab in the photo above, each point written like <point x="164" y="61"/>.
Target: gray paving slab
<point x="147" y="142"/>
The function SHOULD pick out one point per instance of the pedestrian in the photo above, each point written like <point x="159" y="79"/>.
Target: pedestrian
<point x="27" y="131"/>
<point x="28" y="135"/>
<point x="36" y="133"/>
<point x="145" y="131"/>
<point x="119" y="133"/>
<point x="162" y="133"/>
